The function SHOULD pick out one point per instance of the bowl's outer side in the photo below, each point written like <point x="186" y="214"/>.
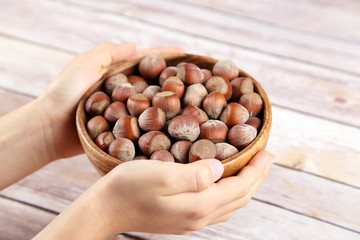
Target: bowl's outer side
<point x="103" y="162"/>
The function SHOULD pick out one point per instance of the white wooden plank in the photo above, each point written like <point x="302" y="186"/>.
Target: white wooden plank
<point x="28" y="68"/>
<point x="261" y="221"/>
<point x="317" y="146"/>
<point x="338" y="19"/>
<point x="19" y="221"/>
<point x="239" y="31"/>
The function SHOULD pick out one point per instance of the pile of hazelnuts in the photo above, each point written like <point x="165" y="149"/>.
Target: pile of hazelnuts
<point x="176" y="113"/>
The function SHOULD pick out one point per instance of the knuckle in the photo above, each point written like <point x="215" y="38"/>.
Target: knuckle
<point x="105" y="44"/>
<point x="199" y="212"/>
<point x="202" y="180"/>
<point x="195" y="226"/>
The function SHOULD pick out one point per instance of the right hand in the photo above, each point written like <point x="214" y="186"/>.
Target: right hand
<point x="162" y="197"/>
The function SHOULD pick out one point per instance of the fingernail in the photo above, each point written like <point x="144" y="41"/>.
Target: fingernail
<point x="217" y="169"/>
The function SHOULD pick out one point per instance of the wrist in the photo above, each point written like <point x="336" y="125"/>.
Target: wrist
<point x="84" y="219"/>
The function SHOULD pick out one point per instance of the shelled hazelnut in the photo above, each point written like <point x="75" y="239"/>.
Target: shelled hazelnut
<point x="127" y="127"/>
<point x="122" y="149"/>
<point x="104" y="140"/>
<point x="96" y="126"/>
<point x="180" y="151"/>
<point x="153" y="141"/>
<point x="137" y="103"/>
<point x="162" y="155"/>
<point x="167" y="73"/>
<point x="113" y="81"/>
<point x="202" y="149"/>
<point x="138" y="82"/>
<point x="151" y="66"/>
<point x="97" y="103"/>
<point x="219" y="84"/>
<point x="214" y="130"/>
<point x="187" y="113"/>
<point x="115" y="111"/>
<point x="241" y="135"/>
<point x="123" y="92"/>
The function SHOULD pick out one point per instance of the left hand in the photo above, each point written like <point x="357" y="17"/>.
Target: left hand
<point x="60" y="99"/>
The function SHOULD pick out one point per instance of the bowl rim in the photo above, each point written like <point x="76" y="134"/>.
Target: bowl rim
<point x="123" y="66"/>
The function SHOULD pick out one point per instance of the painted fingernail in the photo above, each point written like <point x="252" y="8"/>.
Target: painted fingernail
<point x="217" y="169"/>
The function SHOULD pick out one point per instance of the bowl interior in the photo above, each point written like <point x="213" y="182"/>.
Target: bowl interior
<point x="103" y="162"/>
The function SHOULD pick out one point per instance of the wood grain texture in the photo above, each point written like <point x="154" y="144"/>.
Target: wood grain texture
<point x="237" y="30"/>
<point x="304" y="53"/>
<point x="19" y="221"/>
<point x="338" y="19"/>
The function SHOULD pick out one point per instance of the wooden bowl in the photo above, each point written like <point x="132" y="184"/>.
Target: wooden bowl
<point x="103" y="162"/>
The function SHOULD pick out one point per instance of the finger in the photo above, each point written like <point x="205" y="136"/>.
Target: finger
<point x="223" y="218"/>
<point x="150" y="51"/>
<point x="105" y="55"/>
<point x="193" y="177"/>
<point x="231" y="189"/>
<point x="239" y="203"/>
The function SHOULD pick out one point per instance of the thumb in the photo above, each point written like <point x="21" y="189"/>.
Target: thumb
<point x="193" y="177"/>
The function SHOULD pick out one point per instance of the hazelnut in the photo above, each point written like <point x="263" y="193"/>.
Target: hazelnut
<point x="180" y="64"/>
<point x="240" y="86"/>
<point x="122" y="149"/>
<point x="194" y="95"/>
<point x="137" y="103"/>
<point x="152" y="119"/>
<point x="225" y="150"/>
<point x="214" y="130"/>
<point x="202" y="149"/>
<point x="150" y="91"/>
<point x="219" y="84"/>
<point x="162" y="155"/>
<point x="241" y="135"/>
<point x="213" y="104"/>
<point x="141" y="157"/>
<point x="197" y="113"/>
<point x="166" y="73"/>
<point x="234" y="113"/>
<point x="226" y="69"/>
<point x="207" y="74"/>
<point x="184" y="127"/>
<point x="151" y="66"/>
<point x="175" y="85"/>
<point x="127" y="127"/>
<point x="252" y="102"/>
<point x="139" y="83"/>
<point x="113" y="81"/>
<point x="189" y="73"/>
<point x="153" y="141"/>
<point x="180" y="151"/>
<point x="104" y="139"/>
<point x="123" y="92"/>
<point x="96" y="103"/>
<point x="115" y="111"/>
<point x="97" y="125"/>
<point x="168" y="101"/>
<point x="255" y="122"/>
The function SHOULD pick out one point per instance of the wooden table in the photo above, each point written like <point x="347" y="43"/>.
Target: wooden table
<point x="306" y="54"/>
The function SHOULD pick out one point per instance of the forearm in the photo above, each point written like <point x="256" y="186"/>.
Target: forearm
<point x="85" y="218"/>
<point x="25" y="142"/>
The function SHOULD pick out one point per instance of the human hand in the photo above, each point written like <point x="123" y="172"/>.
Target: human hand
<point x="162" y="197"/>
<point x="60" y="99"/>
